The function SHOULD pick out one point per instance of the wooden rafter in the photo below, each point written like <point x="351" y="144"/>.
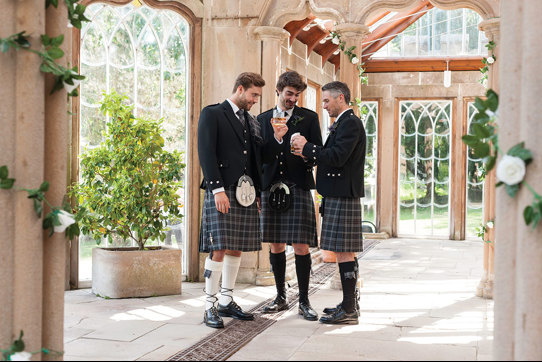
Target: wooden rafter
<point x="423" y="64"/>
<point x="386" y="32"/>
<point x="296" y="27"/>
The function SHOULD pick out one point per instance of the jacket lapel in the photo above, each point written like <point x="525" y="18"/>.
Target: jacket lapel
<point x="344" y="115"/>
<point x="234" y="121"/>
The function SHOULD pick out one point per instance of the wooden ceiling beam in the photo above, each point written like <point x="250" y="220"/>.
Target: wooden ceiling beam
<point x="421" y="64"/>
<point x="296" y="27"/>
<point x="315" y="40"/>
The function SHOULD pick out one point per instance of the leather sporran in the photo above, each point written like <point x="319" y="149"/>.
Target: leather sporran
<point x="245" y="193"/>
<point x="280" y="198"/>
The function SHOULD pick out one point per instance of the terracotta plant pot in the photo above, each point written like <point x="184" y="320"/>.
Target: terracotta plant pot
<point x="129" y="273"/>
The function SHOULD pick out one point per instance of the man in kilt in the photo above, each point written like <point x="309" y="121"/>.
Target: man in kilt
<point x="288" y="176"/>
<point x="229" y="141"/>
<point x="339" y="180"/>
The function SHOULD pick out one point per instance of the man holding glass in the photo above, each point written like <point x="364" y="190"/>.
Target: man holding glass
<point x="339" y="180"/>
<point x="288" y="215"/>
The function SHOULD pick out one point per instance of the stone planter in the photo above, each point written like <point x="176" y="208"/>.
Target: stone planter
<point x="129" y="273"/>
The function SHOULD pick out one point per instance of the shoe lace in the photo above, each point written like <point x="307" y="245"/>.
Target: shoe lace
<point x="211" y="298"/>
<point x="223" y="291"/>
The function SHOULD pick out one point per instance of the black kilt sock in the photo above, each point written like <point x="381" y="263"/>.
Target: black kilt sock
<point x="303" y="269"/>
<point x="278" y="263"/>
<point x="349" y="280"/>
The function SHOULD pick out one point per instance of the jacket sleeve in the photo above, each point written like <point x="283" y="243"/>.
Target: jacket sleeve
<point x="347" y="136"/>
<point x="271" y="147"/>
<point x="207" y="143"/>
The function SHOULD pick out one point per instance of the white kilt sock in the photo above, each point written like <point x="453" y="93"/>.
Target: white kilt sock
<point x="212" y="283"/>
<point x="229" y="276"/>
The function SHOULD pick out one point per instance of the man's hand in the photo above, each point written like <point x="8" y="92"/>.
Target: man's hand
<point x="298" y="143"/>
<point x="280" y="131"/>
<point x="222" y="202"/>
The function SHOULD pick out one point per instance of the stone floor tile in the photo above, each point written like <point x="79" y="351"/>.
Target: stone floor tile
<point x="100" y="350"/>
<point x="125" y="331"/>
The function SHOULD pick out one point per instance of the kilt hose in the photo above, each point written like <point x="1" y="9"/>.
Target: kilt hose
<point x="341" y="225"/>
<point x="297" y="225"/>
<point x="237" y="230"/>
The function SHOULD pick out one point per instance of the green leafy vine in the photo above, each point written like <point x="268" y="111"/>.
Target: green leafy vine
<point x="59" y="219"/>
<point x="68" y="78"/>
<point x="349" y="52"/>
<point x="487" y="62"/>
<point x="511" y="169"/>
<point x="16" y="351"/>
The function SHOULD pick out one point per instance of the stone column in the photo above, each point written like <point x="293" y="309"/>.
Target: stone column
<point x="518" y="285"/>
<point x="272" y="38"/>
<point x="22" y="145"/>
<point x="352" y="35"/>
<point x="485" y="289"/>
<point x="56" y="172"/>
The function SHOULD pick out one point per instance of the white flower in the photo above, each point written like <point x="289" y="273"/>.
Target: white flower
<point x="355" y="60"/>
<point x="490" y="60"/>
<point x="335" y="40"/>
<point x="66" y="219"/>
<point x="69" y="87"/>
<point x="20" y="356"/>
<point x="511" y="170"/>
<point x="490" y="224"/>
<point x="485" y="83"/>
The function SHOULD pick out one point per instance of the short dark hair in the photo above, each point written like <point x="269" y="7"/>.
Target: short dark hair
<point x="248" y="80"/>
<point x="291" y="79"/>
<point x="337" y="88"/>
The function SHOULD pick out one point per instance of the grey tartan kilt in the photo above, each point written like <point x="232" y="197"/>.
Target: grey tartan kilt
<point x="341" y="225"/>
<point x="237" y="230"/>
<point x="297" y="225"/>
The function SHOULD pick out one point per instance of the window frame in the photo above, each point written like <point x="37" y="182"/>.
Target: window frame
<point x="193" y="177"/>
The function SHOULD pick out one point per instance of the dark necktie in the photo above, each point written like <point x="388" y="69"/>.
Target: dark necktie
<point x="241" y="115"/>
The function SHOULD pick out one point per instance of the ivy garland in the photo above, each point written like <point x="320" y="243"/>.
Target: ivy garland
<point x="56" y="217"/>
<point x="484" y="143"/>
<point x="336" y="39"/>
<point x="16" y="351"/>
<point x="68" y="78"/>
<point x="487" y="62"/>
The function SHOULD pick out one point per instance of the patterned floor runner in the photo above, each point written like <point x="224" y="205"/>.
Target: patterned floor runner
<point x="223" y="343"/>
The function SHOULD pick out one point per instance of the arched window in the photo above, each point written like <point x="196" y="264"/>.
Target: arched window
<point x="143" y="53"/>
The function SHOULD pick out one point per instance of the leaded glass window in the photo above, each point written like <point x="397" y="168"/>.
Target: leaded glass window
<point x="369" y="117"/>
<point x="424" y="167"/>
<point x="438" y="33"/>
<point x="142" y="53"/>
<point x="475" y="184"/>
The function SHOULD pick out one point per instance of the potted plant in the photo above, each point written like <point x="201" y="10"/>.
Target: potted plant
<point x="128" y="191"/>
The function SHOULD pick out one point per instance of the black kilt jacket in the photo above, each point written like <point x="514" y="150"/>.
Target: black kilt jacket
<point x="341" y="161"/>
<point x="277" y="157"/>
<point x="223" y="153"/>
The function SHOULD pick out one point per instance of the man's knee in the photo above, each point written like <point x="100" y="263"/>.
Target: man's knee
<point x="345" y="257"/>
<point x="301" y="249"/>
<point x="277" y="248"/>
<point x="218" y="255"/>
<point x="235" y="253"/>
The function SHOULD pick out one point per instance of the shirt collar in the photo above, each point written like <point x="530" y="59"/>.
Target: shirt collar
<point x="234" y="107"/>
<point x="343" y="112"/>
<point x="290" y="111"/>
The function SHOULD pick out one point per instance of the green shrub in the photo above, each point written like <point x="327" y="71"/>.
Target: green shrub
<point x="129" y="183"/>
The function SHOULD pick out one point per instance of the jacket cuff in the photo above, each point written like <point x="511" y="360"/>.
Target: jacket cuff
<point x="311" y="151"/>
<point x="220" y="189"/>
<point x="214" y="185"/>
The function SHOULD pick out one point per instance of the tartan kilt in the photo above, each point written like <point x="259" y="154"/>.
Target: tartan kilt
<point x="297" y="225"/>
<point x="341" y="225"/>
<point x="237" y="230"/>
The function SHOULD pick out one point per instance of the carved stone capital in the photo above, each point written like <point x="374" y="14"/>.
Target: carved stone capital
<point x="491" y="27"/>
<point x="353" y="30"/>
<point x="271" y="32"/>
